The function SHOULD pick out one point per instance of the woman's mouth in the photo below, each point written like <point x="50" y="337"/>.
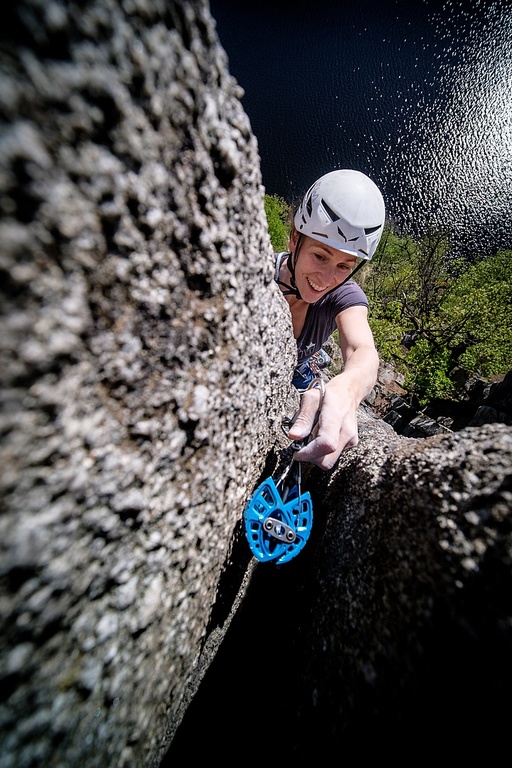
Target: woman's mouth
<point x="317" y="288"/>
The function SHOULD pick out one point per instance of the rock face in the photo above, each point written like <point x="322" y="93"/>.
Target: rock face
<point x="391" y="632"/>
<point x="481" y="402"/>
<point x="143" y="378"/>
<point x="407" y="632"/>
<point x="146" y="357"/>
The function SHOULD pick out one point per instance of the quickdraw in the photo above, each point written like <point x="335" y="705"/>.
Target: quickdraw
<point x="279" y="517"/>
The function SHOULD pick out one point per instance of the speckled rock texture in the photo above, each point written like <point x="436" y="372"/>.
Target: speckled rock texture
<point x="143" y="379"/>
<point x="387" y="639"/>
<point x="406" y="626"/>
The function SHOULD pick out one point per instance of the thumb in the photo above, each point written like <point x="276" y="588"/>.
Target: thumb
<point x="301" y="427"/>
<point x="303" y="424"/>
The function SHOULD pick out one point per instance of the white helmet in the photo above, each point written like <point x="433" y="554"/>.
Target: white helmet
<point x="343" y="209"/>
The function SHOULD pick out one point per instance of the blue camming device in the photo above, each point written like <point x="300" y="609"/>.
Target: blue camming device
<point x="279" y="517"/>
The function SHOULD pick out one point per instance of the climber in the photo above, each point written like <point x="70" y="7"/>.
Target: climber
<point x="336" y="229"/>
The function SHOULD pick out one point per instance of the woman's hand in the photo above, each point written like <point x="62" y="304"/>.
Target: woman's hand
<point x="335" y="430"/>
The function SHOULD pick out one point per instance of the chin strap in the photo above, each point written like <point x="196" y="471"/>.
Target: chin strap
<point x="351" y="274"/>
<point x="291" y="289"/>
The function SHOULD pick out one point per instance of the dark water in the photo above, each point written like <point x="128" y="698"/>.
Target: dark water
<point x="418" y="95"/>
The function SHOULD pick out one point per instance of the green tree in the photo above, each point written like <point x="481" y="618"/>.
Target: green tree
<point x="427" y="372"/>
<point x="405" y="287"/>
<point x="478" y="307"/>
<point x="409" y="279"/>
<point x="277" y="212"/>
<point x="434" y="316"/>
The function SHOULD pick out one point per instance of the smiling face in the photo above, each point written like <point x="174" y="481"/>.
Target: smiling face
<point x="319" y="268"/>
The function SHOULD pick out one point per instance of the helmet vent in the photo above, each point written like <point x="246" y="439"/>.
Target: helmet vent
<point x="309" y="206"/>
<point x="370" y="230"/>
<point x="352" y="239"/>
<point x="329" y="211"/>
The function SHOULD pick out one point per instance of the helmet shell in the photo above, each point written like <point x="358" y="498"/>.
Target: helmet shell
<point x="345" y="210"/>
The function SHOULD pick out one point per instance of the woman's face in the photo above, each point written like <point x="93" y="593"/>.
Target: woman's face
<point x="319" y="268"/>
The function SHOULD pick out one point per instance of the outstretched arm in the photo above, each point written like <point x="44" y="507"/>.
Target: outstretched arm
<point x="337" y="423"/>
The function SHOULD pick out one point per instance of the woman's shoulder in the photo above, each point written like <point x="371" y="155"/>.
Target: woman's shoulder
<point x="278" y="259"/>
<point x="349" y="294"/>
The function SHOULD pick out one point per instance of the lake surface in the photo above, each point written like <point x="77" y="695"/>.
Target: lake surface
<point x="418" y="95"/>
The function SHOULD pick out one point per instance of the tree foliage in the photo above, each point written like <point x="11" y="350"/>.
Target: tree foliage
<point x="277" y="212"/>
<point x="479" y="306"/>
<point x="436" y="317"/>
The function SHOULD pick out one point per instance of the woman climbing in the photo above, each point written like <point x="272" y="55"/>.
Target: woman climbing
<point x="336" y="229"/>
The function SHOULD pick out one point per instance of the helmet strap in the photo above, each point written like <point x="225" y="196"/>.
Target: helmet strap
<point x="292" y="289"/>
<point x="347" y="278"/>
<point x="351" y="274"/>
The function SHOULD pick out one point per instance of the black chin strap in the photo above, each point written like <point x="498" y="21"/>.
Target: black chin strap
<point x="292" y="290"/>
<point x="351" y="275"/>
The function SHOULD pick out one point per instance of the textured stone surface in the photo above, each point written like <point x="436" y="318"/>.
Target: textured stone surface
<point x="138" y="301"/>
<point x="409" y="624"/>
<point x="388" y="638"/>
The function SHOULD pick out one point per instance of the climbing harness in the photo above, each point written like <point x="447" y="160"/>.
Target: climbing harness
<point x="279" y="517"/>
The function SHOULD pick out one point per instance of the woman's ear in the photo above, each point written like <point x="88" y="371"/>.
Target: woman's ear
<point x="292" y="240"/>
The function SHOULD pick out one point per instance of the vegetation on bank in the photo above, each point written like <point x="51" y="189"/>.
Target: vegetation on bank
<point x="437" y="320"/>
<point x="278" y="216"/>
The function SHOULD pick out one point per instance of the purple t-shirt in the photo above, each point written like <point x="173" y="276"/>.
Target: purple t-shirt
<point x="320" y="320"/>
